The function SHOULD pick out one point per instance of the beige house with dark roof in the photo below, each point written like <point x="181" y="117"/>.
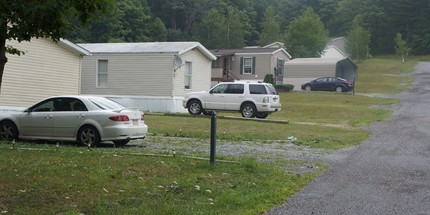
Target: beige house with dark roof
<point x="249" y="64"/>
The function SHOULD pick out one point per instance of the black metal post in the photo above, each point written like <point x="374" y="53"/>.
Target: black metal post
<point x="213" y="138"/>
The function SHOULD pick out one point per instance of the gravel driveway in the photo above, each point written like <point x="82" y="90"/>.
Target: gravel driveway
<point x="387" y="174"/>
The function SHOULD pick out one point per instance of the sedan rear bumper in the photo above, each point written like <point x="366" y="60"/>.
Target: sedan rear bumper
<point x="124" y="132"/>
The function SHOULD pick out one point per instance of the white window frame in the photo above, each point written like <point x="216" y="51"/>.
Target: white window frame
<point x="188" y="75"/>
<point x="99" y="73"/>
<point x="245" y="66"/>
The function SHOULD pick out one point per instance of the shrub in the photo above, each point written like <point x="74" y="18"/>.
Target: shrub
<point x="284" y="87"/>
<point x="269" y="79"/>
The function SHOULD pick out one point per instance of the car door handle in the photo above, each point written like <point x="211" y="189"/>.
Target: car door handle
<point x="48" y="116"/>
<point x="81" y="115"/>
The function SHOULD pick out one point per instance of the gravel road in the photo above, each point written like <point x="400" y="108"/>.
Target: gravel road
<point x="387" y="174"/>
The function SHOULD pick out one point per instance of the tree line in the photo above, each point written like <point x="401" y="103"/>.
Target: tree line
<point x="239" y="23"/>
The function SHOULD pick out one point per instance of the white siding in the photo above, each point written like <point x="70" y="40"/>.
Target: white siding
<point x="130" y="74"/>
<point x="201" y="73"/>
<point x="45" y="70"/>
<point x="332" y="52"/>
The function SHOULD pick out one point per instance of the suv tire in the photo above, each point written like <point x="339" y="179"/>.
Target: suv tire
<point x="195" y="107"/>
<point x="248" y="110"/>
<point x="262" y="115"/>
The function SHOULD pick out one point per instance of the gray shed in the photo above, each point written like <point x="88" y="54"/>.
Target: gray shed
<point x="300" y="70"/>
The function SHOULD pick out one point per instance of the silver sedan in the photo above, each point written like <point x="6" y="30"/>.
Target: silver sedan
<point x="88" y="120"/>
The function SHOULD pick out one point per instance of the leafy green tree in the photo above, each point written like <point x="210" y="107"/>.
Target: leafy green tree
<point x="130" y="21"/>
<point x="22" y="20"/>
<point x="157" y="30"/>
<point x="211" y="31"/>
<point x="420" y="43"/>
<point x="271" y="29"/>
<point x="306" y="35"/>
<point x="236" y="23"/>
<point x="358" y="40"/>
<point x="222" y="30"/>
<point x="195" y="10"/>
<point x="346" y="10"/>
<point x="401" y="47"/>
<point x="327" y="9"/>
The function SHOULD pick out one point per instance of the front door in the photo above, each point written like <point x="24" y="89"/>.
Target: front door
<point x="38" y="120"/>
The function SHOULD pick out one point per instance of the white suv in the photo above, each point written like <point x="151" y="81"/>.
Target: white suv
<point x="250" y="99"/>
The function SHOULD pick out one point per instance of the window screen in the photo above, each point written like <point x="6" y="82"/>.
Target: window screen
<point x="102" y="73"/>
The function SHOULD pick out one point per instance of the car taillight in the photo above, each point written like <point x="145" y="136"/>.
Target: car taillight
<point x="347" y="82"/>
<point x="266" y="99"/>
<point x="122" y="118"/>
<point x="142" y="117"/>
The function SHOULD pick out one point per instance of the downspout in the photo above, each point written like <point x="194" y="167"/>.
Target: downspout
<point x="3" y="58"/>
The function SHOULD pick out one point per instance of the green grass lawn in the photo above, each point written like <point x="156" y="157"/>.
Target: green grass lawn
<point x="38" y="179"/>
<point x="384" y="75"/>
<point x="73" y="180"/>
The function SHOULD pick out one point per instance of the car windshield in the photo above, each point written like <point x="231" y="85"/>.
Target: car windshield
<point x="105" y="104"/>
<point x="272" y="89"/>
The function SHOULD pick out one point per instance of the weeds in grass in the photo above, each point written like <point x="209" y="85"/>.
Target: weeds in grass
<point x="91" y="182"/>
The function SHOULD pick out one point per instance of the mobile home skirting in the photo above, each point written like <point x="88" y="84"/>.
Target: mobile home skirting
<point x="154" y="104"/>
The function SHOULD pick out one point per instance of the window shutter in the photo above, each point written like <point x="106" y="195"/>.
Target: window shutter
<point x="241" y="65"/>
<point x="253" y="65"/>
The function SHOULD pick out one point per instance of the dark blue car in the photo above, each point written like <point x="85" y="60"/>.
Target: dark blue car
<point x="328" y="84"/>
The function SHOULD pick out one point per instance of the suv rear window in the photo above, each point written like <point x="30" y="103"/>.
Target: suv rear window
<point x="272" y="90"/>
<point x="257" y="89"/>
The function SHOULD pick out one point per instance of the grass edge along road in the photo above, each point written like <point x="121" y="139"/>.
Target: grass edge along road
<point x="73" y="180"/>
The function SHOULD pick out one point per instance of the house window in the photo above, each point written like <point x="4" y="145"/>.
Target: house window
<point x="102" y="73"/>
<point x="247" y="65"/>
<point x="280" y="67"/>
<point x="188" y="75"/>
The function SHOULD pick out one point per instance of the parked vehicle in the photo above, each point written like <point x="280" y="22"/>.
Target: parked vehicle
<point x="328" y="84"/>
<point x="88" y="120"/>
<point x="251" y="99"/>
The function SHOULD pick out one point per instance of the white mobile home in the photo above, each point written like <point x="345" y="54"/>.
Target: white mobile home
<point x="46" y="69"/>
<point x="153" y="76"/>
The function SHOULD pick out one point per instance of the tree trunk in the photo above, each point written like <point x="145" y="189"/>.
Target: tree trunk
<point x="3" y="58"/>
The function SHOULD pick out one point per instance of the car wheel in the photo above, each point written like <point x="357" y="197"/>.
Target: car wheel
<point x="339" y="89"/>
<point x="195" y="107"/>
<point x="8" y="131"/>
<point x="308" y="88"/>
<point x="248" y="110"/>
<point x="262" y="115"/>
<point x="89" y="136"/>
<point x="121" y="142"/>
